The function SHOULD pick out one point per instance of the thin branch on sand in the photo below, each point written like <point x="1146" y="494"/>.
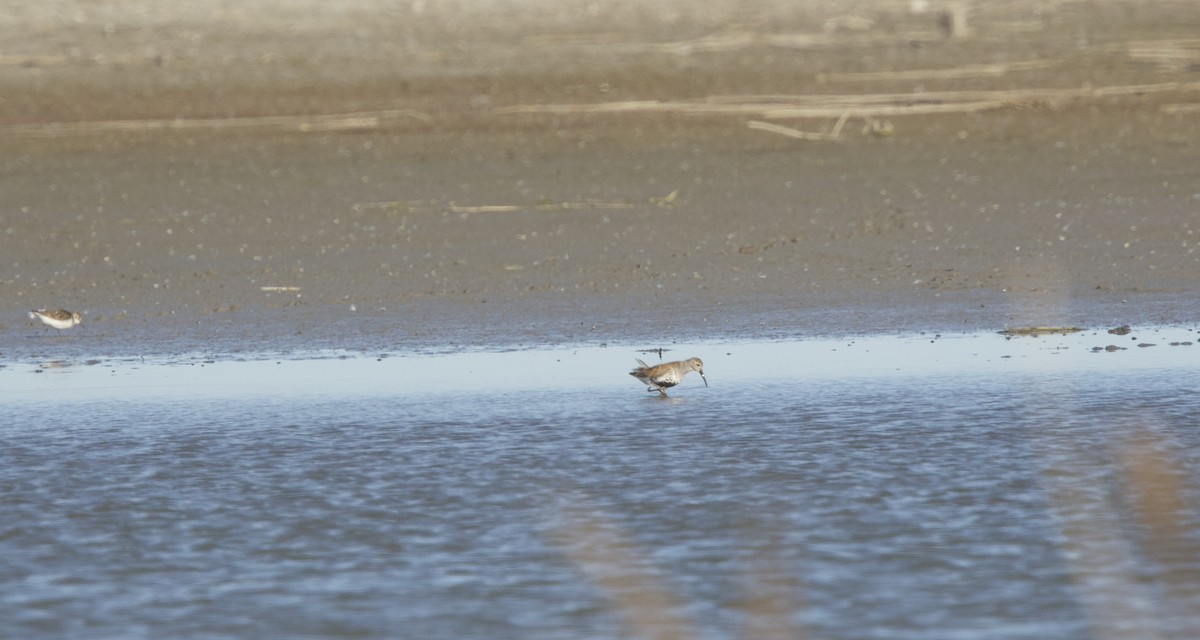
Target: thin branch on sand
<point x="968" y="71"/>
<point x="419" y="206"/>
<point x="366" y="120"/>
<point x="1191" y="107"/>
<point x="856" y="105"/>
<point x="792" y="133"/>
<point x="1177" y="55"/>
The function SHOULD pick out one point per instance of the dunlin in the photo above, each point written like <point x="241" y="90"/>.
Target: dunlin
<point x="57" y="318"/>
<point x="664" y="376"/>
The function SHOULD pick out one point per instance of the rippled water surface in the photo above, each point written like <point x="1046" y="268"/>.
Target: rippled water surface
<point x="963" y="487"/>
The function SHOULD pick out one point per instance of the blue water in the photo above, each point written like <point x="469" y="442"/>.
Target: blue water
<point x="1011" y="492"/>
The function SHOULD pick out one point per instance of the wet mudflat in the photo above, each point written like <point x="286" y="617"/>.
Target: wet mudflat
<point x="919" y="487"/>
<point x="184" y="181"/>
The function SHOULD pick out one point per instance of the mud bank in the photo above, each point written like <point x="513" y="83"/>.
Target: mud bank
<point x="235" y="183"/>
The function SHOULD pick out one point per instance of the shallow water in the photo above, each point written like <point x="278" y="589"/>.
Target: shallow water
<point x="929" y="487"/>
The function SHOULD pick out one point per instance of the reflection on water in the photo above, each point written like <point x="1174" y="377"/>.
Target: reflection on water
<point x="595" y="367"/>
<point x="933" y="487"/>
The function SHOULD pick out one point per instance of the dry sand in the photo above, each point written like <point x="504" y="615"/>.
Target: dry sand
<point x="293" y="177"/>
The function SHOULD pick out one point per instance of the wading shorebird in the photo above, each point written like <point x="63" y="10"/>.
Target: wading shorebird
<point x="664" y="376"/>
<point x="57" y="318"/>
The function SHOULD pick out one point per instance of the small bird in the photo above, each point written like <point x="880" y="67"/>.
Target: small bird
<point x="57" y="318"/>
<point x="664" y="376"/>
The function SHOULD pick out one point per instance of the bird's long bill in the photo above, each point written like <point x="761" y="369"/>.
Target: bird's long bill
<point x="704" y="379"/>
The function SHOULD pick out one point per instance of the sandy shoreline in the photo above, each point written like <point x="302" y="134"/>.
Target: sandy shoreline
<point x="481" y="221"/>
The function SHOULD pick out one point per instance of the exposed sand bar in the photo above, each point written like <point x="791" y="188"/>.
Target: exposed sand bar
<point x="220" y="176"/>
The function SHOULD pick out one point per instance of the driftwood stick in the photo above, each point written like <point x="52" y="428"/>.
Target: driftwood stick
<point x="330" y="122"/>
<point x="853" y="105"/>
<point x="788" y="131"/>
